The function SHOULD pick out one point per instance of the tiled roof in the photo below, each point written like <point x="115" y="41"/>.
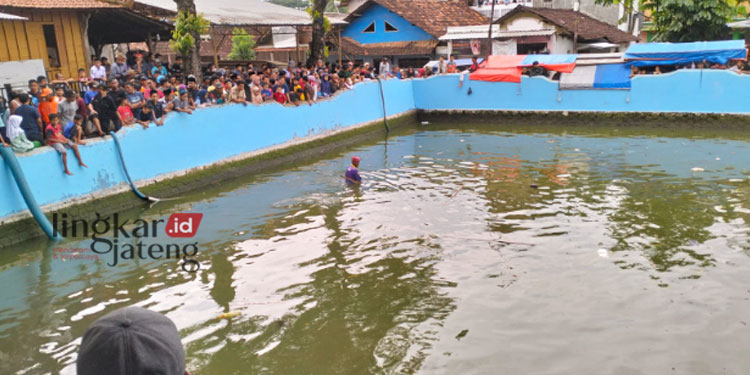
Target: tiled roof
<point x="58" y="4"/>
<point x="588" y="27"/>
<point x="420" y="47"/>
<point x="432" y="16"/>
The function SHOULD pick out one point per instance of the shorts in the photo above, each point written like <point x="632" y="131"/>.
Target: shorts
<point x="74" y="132"/>
<point x="60" y="147"/>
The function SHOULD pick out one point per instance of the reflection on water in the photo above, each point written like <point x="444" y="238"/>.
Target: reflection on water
<point x="486" y="250"/>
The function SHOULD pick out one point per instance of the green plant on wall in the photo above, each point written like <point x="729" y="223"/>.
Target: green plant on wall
<point x="315" y="15"/>
<point x="243" y="45"/>
<point x="187" y="25"/>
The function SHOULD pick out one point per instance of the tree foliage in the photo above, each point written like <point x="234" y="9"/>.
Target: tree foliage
<point x="692" y="20"/>
<point x="315" y="15"/>
<point x="186" y="26"/>
<point x="243" y="45"/>
<point x="683" y="20"/>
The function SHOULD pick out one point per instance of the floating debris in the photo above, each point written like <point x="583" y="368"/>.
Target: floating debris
<point x="603" y="253"/>
<point x="462" y="334"/>
<point x="228" y="315"/>
<point x="696" y="169"/>
<point x="425" y="122"/>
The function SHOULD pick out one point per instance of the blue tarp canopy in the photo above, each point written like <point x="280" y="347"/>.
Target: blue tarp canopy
<point x="651" y="54"/>
<point x="612" y="76"/>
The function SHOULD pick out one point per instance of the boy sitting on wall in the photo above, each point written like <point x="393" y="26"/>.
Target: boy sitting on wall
<point x="57" y="140"/>
<point x="126" y="114"/>
<point x="74" y="130"/>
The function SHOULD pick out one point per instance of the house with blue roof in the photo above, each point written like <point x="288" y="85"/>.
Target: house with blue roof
<point x="405" y="31"/>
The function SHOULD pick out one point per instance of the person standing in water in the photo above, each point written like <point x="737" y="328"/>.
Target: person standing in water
<point x="352" y="173"/>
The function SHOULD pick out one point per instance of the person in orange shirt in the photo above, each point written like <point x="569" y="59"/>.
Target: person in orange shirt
<point x="452" y="67"/>
<point x="47" y="105"/>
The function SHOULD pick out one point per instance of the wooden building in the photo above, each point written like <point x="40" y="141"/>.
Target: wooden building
<point x="66" y="33"/>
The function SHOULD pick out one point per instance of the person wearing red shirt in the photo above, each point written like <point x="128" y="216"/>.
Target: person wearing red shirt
<point x="57" y="140"/>
<point x="125" y="112"/>
<point x="279" y="95"/>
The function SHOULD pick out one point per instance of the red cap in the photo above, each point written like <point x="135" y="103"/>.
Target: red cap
<point x="355" y="159"/>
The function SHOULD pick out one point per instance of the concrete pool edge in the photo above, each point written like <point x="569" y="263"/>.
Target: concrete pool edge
<point x="21" y="227"/>
<point x="562" y="118"/>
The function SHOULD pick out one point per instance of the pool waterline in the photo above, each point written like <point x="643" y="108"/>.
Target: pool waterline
<point x="488" y="249"/>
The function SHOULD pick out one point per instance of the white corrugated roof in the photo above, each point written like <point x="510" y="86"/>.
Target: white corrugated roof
<point x="480" y="31"/>
<point x="241" y="12"/>
<point x="744" y="24"/>
<point x="10" y="17"/>
<point x="284" y="37"/>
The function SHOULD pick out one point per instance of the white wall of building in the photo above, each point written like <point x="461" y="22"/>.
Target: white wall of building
<point x="562" y="45"/>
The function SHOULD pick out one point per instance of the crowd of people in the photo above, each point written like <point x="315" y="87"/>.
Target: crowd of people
<point x="737" y="66"/>
<point x="62" y="113"/>
<point x="141" y="90"/>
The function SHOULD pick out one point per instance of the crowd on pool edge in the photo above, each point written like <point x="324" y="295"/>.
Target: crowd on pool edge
<point x="62" y="113"/>
<point x="737" y="66"/>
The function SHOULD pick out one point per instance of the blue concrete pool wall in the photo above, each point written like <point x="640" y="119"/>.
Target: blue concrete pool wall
<point x="213" y="134"/>
<point x="702" y="91"/>
<point x="189" y="141"/>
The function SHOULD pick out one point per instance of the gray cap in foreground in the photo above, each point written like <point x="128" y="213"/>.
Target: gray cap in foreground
<point x="131" y="341"/>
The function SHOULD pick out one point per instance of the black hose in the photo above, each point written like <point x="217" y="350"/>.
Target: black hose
<point x="385" y="114"/>
<point x="125" y="169"/>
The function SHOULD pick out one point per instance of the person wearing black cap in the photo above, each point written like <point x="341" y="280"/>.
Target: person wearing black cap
<point x="131" y="341"/>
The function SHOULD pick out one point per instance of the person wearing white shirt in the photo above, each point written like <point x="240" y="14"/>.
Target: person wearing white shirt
<point x="385" y="68"/>
<point x="98" y="72"/>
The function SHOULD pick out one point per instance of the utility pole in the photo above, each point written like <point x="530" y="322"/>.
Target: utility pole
<point x="576" y="9"/>
<point x="488" y="49"/>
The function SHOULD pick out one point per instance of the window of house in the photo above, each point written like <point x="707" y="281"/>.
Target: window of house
<point x="390" y="28"/>
<point x="370" y="28"/>
<point x="50" y="40"/>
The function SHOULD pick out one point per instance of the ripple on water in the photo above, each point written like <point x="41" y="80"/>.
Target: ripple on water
<point x="463" y="252"/>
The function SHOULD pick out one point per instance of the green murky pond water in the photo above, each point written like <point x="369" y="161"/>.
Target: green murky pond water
<point x="484" y="250"/>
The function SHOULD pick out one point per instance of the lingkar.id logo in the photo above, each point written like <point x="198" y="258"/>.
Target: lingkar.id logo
<point x="144" y="232"/>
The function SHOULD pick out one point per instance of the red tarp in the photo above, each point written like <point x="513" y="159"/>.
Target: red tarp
<point x="507" y="68"/>
<point x="500" y="68"/>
